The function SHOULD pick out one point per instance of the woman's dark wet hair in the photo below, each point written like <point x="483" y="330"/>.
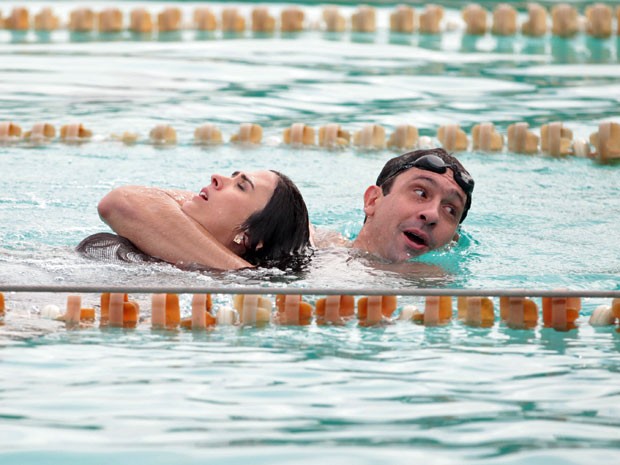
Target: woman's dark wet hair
<point x="279" y="234"/>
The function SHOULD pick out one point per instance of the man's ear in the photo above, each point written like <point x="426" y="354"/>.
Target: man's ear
<point x="456" y="237"/>
<point x="371" y="196"/>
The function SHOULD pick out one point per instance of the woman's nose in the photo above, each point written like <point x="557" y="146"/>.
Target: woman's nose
<point x="218" y="181"/>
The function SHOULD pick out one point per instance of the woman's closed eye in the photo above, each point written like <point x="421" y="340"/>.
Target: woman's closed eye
<point x="244" y="183"/>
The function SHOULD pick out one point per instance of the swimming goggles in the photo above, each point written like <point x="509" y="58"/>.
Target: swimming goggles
<point x="437" y="165"/>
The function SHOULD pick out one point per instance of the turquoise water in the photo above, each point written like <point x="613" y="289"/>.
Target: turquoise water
<point x="447" y="395"/>
<point x="402" y="393"/>
<point x="535" y="222"/>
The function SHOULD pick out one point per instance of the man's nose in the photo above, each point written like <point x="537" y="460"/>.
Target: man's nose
<point x="429" y="213"/>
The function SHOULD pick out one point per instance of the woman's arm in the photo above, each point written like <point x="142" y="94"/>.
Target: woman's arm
<point x="152" y="219"/>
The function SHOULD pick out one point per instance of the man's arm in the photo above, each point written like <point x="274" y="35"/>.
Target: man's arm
<point x="152" y="219"/>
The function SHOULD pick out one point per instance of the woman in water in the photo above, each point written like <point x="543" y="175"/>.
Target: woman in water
<point x="244" y="220"/>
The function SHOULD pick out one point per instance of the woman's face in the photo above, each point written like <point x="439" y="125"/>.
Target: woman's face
<point x="225" y="204"/>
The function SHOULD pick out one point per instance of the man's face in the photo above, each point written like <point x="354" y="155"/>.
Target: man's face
<point x="421" y="213"/>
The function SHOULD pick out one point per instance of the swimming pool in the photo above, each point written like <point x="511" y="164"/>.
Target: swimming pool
<point x="449" y="395"/>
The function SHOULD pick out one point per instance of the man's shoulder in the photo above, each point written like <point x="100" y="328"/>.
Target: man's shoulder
<point x="323" y="238"/>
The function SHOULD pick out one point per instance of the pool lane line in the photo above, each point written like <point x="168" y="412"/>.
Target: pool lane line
<point x="314" y="291"/>
<point x="561" y="20"/>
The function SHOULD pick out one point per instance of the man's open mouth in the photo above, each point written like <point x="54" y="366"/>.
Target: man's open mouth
<point x="416" y="239"/>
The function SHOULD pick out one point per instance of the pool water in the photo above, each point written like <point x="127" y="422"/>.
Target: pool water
<point x="535" y="222"/>
<point x="393" y="394"/>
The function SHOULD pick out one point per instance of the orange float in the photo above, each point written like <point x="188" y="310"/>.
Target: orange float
<point x="536" y="23"/>
<point x="371" y="136"/>
<point x="158" y="311"/>
<point x="82" y="20"/>
<point x="207" y="134"/>
<point x="402" y="20"/>
<point x="291" y="310"/>
<point x="18" y="20"/>
<point x="173" y="311"/>
<point x="169" y="20"/>
<point x="75" y="133"/>
<point x="599" y="20"/>
<point x="404" y="137"/>
<point x="140" y="21"/>
<point x="72" y="315"/>
<point x="606" y="142"/>
<point x="332" y="135"/>
<point x="452" y="138"/>
<point x="555" y="139"/>
<point x="262" y="21"/>
<point x="116" y="310"/>
<point x="430" y="19"/>
<point x="110" y="20"/>
<point x="105" y="308"/>
<point x="201" y="317"/>
<point x="437" y="311"/>
<point x="564" y="20"/>
<point x="232" y="21"/>
<point x="518" y="312"/>
<point x="475" y="18"/>
<point x="248" y="134"/>
<point x="372" y="310"/>
<point x="9" y="131"/>
<point x="46" y="20"/>
<point x="291" y="20"/>
<point x="299" y="134"/>
<point x="561" y="312"/>
<point x="504" y="20"/>
<point x="131" y="314"/>
<point x="476" y="311"/>
<point x="364" y="19"/>
<point x="334" y="21"/>
<point x="334" y="309"/>
<point x="87" y="315"/>
<point x="204" y="19"/>
<point x="521" y="139"/>
<point x="486" y="138"/>
<point x="615" y="307"/>
<point x="166" y="312"/>
<point x="163" y="134"/>
<point x="40" y="132"/>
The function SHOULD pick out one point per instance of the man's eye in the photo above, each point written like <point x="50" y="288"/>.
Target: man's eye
<point x="420" y="192"/>
<point x="241" y="186"/>
<point x="451" y="210"/>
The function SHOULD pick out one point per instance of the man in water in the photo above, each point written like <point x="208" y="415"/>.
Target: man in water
<point x="416" y="205"/>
